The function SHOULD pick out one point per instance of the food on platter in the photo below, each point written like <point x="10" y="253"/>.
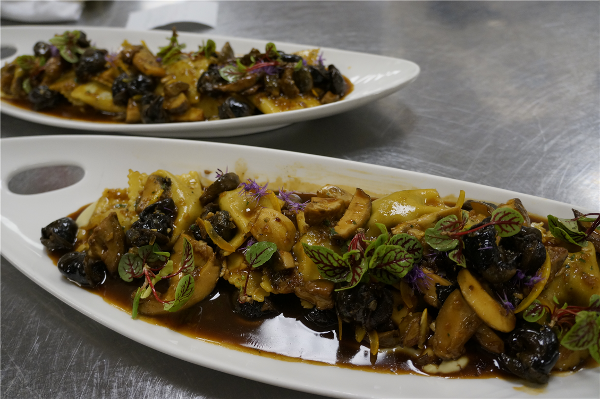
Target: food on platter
<point x="467" y="288"/>
<point x="68" y="76"/>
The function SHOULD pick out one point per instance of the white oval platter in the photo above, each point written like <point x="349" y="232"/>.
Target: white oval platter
<point x="106" y="161"/>
<point x="373" y="76"/>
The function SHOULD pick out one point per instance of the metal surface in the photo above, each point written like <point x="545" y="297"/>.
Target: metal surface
<point x="508" y="97"/>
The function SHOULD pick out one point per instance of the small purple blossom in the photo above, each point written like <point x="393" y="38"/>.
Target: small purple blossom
<point x="528" y="281"/>
<point x="506" y="304"/>
<point x="417" y="279"/>
<point x="54" y="51"/>
<point x="531" y="281"/>
<point x="269" y="70"/>
<point x="484" y="248"/>
<point x="246" y="247"/>
<point x="292" y="205"/>
<point x="253" y="190"/>
<point x="220" y="172"/>
<point x="320" y="59"/>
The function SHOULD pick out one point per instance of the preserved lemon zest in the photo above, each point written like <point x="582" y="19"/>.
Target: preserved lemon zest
<point x="459" y="204"/>
<point x="538" y="287"/>
<point x="217" y="239"/>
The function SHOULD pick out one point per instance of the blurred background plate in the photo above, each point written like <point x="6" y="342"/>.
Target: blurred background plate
<point x="373" y="76"/>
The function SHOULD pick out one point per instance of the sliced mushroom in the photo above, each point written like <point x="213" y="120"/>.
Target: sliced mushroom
<point x="489" y="340"/>
<point x="153" y="190"/>
<point x="320" y="209"/>
<point x="176" y="105"/>
<point x="455" y="325"/>
<point x="355" y="217"/>
<point x="107" y="242"/>
<point x="146" y="62"/>
<point x="487" y="308"/>
<point x="205" y="274"/>
<point x="331" y="191"/>
<point x="173" y="89"/>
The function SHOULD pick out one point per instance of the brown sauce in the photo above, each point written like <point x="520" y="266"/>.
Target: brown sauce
<point x="288" y="336"/>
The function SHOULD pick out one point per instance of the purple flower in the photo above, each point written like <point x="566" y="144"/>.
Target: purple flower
<point x="417" y="279"/>
<point x="292" y="205"/>
<point x="269" y="70"/>
<point x="531" y="281"/>
<point x="220" y="172"/>
<point x="246" y="247"/>
<point x="54" y="51"/>
<point x="484" y="248"/>
<point x="320" y="59"/>
<point x="253" y="190"/>
<point x="506" y="304"/>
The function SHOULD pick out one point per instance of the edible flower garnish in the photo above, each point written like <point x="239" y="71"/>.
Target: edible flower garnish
<point x="253" y="190"/>
<point x="418" y="279"/>
<point x="291" y="204"/>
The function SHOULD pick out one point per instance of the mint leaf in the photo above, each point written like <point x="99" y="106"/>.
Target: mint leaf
<point x="187" y="258"/>
<point x="130" y="267"/>
<point x="534" y="312"/>
<point x="136" y="303"/>
<point x="507" y="221"/>
<point x="566" y="229"/>
<point x="184" y="291"/>
<point x="584" y="333"/>
<point x="260" y="253"/>
<point x="409" y="243"/>
<point x="331" y="266"/>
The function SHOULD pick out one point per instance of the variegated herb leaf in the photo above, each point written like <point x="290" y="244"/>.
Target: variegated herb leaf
<point x="67" y="45"/>
<point x="331" y="266"/>
<point x="566" y="229"/>
<point x="458" y="257"/>
<point x="381" y="239"/>
<point x="409" y="243"/>
<point x="534" y="312"/>
<point x="184" y="291"/>
<point x="351" y="256"/>
<point x="393" y="259"/>
<point x="384" y="276"/>
<point x="130" y="267"/>
<point x="584" y="332"/>
<point x="187" y="258"/>
<point x="595" y="301"/>
<point x="356" y="274"/>
<point x="507" y="221"/>
<point x="136" y="303"/>
<point x="164" y="272"/>
<point x="230" y="73"/>
<point x="26" y="62"/>
<point x="260" y="253"/>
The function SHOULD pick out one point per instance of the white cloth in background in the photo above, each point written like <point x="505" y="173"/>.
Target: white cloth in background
<point x="202" y="12"/>
<point x="41" y="11"/>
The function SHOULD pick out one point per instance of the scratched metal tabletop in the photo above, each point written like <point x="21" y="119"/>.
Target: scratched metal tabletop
<point x="508" y="96"/>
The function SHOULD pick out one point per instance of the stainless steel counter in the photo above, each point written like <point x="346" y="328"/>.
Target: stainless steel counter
<point x="508" y="96"/>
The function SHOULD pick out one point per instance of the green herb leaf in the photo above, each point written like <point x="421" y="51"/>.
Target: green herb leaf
<point x="260" y="253"/>
<point x="357" y="273"/>
<point x="594" y="348"/>
<point x="271" y="51"/>
<point x="67" y="45"/>
<point x="380" y="240"/>
<point x="331" y="266"/>
<point x="534" y="312"/>
<point x="136" y="303"/>
<point x="584" y="333"/>
<point x="393" y="259"/>
<point x="184" y="291"/>
<point x="595" y="301"/>
<point x="230" y="73"/>
<point x="298" y="65"/>
<point x="508" y="221"/>
<point x="187" y="258"/>
<point x="409" y="243"/>
<point x="458" y="257"/>
<point x="439" y="238"/>
<point x="209" y="49"/>
<point x="566" y="229"/>
<point x="130" y="267"/>
<point x="167" y="270"/>
<point x="26" y="62"/>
